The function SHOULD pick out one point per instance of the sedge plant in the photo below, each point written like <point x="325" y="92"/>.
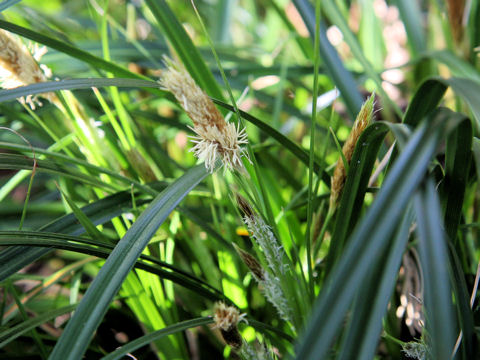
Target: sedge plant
<point x="253" y="180"/>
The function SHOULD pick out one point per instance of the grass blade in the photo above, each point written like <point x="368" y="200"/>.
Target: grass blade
<point x="14" y="332"/>
<point x="440" y="323"/>
<point x="145" y="340"/>
<point x="45" y="87"/>
<point x="372" y="300"/>
<point x="184" y="47"/>
<point x="457" y="168"/>
<point x="73" y="51"/>
<point x="342" y="78"/>
<point x="7" y="3"/>
<point x="103" y="250"/>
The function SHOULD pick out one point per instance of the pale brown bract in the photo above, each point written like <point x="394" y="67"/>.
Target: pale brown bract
<point x="363" y="119"/>
<point x="216" y="138"/>
<point x="19" y="68"/>
<point x="226" y="319"/>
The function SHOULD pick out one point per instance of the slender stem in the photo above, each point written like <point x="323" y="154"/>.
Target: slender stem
<point x="308" y="239"/>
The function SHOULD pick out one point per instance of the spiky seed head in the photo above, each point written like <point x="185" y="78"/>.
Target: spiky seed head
<point x="244" y="206"/>
<point x="251" y="263"/>
<point x="226" y="319"/>
<point x="18" y="67"/>
<point x="216" y="139"/>
<point x="363" y="119"/>
<point x="415" y="350"/>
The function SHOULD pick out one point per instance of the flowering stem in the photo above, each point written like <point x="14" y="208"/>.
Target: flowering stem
<point x="308" y="240"/>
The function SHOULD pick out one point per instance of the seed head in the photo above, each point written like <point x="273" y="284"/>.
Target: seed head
<point x="244" y="206"/>
<point x="18" y="67"/>
<point x="251" y="263"/>
<point x="415" y="350"/>
<point x="226" y="319"/>
<point x="364" y="118"/>
<point x="216" y="139"/>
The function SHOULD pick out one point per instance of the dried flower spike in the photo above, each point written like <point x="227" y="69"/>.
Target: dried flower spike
<point x="18" y="67"/>
<point x="244" y="206"/>
<point x="251" y="263"/>
<point x="226" y="319"/>
<point x="364" y="118"/>
<point x="216" y="139"/>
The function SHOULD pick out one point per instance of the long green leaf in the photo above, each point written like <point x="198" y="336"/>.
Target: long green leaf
<point x="103" y="250"/>
<point x="19" y="162"/>
<point x="457" y="168"/>
<point x="13" y="259"/>
<point x="372" y="300"/>
<point x="412" y="20"/>
<point x="467" y="89"/>
<point x="77" y="335"/>
<point x="71" y="50"/>
<point x="440" y="324"/>
<point x="45" y="87"/>
<point x="7" y="3"/>
<point x="14" y="332"/>
<point x="458" y="66"/>
<point x="334" y="14"/>
<point x="64" y="159"/>
<point x="147" y="339"/>
<point x="431" y="91"/>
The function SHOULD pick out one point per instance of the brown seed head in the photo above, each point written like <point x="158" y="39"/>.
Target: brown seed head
<point x="216" y="138"/>
<point x="226" y="319"/>
<point x="196" y="103"/>
<point x="18" y="67"/>
<point x="244" y="206"/>
<point x="363" y="119"/>
<point x="456" y="13"/>
<point x="251" y="263"/>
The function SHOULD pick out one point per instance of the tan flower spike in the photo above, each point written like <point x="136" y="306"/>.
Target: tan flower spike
<point x="226" y="319"/>
<point x="18" y="67"/>
<point x="216" y="138"/>
<point x="363" y="119"/>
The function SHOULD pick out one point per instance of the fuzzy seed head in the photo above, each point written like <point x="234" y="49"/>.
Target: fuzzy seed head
<point x="415" y="350"/>
<point x="225" y="316"/>
<point x="274" y="256"/>
<point x="215" y="138"/>
<point x="226" y="319"/>
<point x="18" y="67"/>
<point x="363" y="119"/>
<point x="273" y="291"/>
